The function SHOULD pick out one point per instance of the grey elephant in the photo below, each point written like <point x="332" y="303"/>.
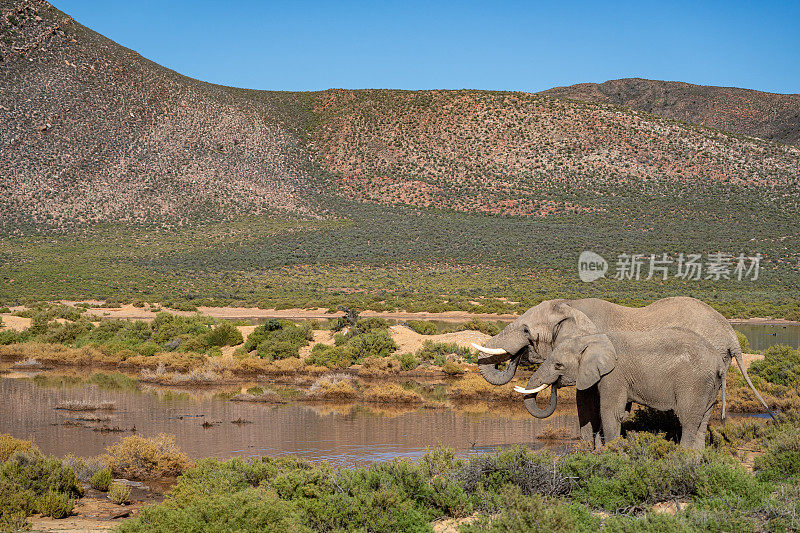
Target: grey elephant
<point x="533" y="336"/>
<point x="669" y="369"/>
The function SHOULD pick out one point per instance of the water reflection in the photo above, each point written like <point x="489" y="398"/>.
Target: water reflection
<point x="206" y="424"/>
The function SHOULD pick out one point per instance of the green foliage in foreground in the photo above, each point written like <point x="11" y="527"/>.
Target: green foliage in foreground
<point x="511" y="490"/>
<point x="31" y="482"/>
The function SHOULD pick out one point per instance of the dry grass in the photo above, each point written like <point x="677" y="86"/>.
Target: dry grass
<point x="553" y="433"/>
<point x="379" y="366"/>
<point x="59" y="354"/>
<point x="80" y="405"/>
<point x="391" y="393"/>
<point x="740" y="399"/>
<point x="472" y="387"/>
<point x="334" y="387"/>
<point x="138" y="457"/>
<point x="196" y="376"/>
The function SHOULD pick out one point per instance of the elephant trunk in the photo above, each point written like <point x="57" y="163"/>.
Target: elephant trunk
<point x="488" y="369"/>
<point x="530" y="398"/>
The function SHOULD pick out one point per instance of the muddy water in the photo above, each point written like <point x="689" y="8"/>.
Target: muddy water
<point x="345" y="435"/>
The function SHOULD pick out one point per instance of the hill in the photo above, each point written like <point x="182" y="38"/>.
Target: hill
<point x="97" y="133"/>
<point x="121" y="179"/>
<point x="93" y="132"/>
<point x="771" y="116"/>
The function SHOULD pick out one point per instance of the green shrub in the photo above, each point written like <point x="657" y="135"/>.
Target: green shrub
<point x="375" y="343"/>
<point x="252" y="509"/>
<point x="781" y="365"/>
<point x="9" y="336"/>
<point x="273" y="343"/>
<point x="781" y="458"/>
<point x="333" y="357"/>
<point x="423" y="327"/>
<point x="55" y="504"/>
<point x="367" y="325"/>
<point x="5" y="310"/>
<point x="119" y="493"/>
<point x="408" y="361"/>
<point x="31" y="482"/>
<point x="101" y="480"/>
<point x="437" y="352"/>
<point x="226" y="334"/>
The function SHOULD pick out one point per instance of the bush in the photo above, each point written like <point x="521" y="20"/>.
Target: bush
<point x="781" y="458"/>
<point x="226" y="334"/>
<point x="119" y="493"/>
<point x="333" y="357"/>
<point x="138" y="457"/>
<point x="55" y="504"/>
<point x="408" y="361"/>
<point x="252" y="509"/>
<point x="423" y="327"/>
<point x="31" y="482"/>
<point x="372" y="344"/>
<point x="9" y="445"/>
<point x="781" y="365"/>
<point x="437" y="352"/>
<point x="101" y="480"/>
<point x="274" y="343"/>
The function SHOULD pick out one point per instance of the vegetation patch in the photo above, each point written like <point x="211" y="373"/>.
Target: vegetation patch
<point x="138" y="457"/>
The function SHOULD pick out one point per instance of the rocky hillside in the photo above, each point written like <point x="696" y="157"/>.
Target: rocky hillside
<point x="771" y="116"/>
<point x="96" y="133"/>
<point x="515" y="153"/>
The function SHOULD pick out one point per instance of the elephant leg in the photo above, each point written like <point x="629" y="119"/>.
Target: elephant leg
<point x="693" y="426"/>
<point x="588" y="403"/>
<point x="612" y="411"/>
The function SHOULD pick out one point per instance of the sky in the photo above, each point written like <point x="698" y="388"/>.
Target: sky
<point x="418" y="44"/>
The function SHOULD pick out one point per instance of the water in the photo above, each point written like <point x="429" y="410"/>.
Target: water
<point x="342" y="434"/>
<point x="762" y="336"/>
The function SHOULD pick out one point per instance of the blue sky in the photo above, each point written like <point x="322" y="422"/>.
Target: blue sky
<point x="525" y="46"/>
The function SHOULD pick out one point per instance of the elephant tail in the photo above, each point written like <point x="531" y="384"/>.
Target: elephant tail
<point x="740" y="362"/>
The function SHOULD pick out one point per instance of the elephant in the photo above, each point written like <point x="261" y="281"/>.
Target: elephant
<point x="534" y="334"/>
<point x="669" y="369"/>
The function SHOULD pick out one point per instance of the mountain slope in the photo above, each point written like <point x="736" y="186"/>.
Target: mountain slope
<point x="771" y="116"/>
<point x="516" y="153"/>
<point x="93" y="132"/>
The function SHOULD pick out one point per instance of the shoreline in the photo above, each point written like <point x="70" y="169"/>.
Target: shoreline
<point x="128" y="311"/>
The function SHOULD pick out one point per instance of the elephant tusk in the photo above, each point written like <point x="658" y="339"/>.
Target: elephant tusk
<point x="523" y="390"/>
<point x="489" y="351"/>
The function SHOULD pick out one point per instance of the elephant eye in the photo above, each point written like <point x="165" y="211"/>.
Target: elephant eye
<point x="558" y="366"/>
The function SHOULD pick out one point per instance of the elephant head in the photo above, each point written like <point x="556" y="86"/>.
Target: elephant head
<point x="532" y="337"/>
<point x="580" y="361"/>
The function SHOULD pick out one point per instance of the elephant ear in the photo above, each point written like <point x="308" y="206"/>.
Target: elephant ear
<point x="569" y="318"/>
<point x="597" y="359"/>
